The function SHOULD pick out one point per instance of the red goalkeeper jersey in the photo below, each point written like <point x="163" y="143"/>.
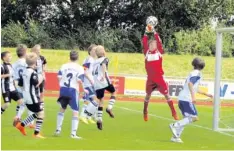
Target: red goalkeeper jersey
<point x="153" y="60"/>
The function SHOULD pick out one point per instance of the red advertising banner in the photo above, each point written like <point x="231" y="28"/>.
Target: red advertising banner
<point x="53" y="85"/>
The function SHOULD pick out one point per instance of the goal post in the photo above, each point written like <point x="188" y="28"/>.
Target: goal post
<point x="218" y="63"/>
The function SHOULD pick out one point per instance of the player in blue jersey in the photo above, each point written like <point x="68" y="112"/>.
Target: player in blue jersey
<point x="90" y="104"/>
<point x="69" y="77"/>
<point x="187" y="100"/>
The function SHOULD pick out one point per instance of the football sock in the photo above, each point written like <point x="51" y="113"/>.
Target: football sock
<point x="2" y="110"/>
<point x="180" y="130"/>
<point x="82" y="114"/>
<point x="29" y="119"/>
<point x="99" y="113"/>
<point x="183" y="122"/>
<point x="75" y="123"/>
<point x="30" y="113"/>
<point x="20" y="110"/>
<point x="171" y="105"/>
<point x="111" y="102"/>
<point x="17" y="109"/>
<point x="146" y="103"/>
<point x="91" y="108"/>
<point x="60" y="118"/>
<point x="39" y="123"/>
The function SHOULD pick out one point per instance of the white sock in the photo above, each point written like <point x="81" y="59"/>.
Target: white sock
<point x="21" y="110"/>
<point x="75" y="123"/>
<point x="91" y="108"/>
<point x="82" y="114"/>
<point x="99" y="113"/>
<point x="111" y="103"/>
<point x="179" y="130"/>
<point x="183" y="122"/>
<point x="60" y="118"/>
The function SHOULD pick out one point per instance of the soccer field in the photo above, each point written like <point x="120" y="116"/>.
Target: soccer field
<point x="126" y="131"/>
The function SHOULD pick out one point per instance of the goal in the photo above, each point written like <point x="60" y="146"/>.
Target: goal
<point x="223" y="118"/>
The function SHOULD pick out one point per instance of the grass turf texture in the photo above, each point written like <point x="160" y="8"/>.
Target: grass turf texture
<point x="130" y="63"/>
<point x="126" y="131"/>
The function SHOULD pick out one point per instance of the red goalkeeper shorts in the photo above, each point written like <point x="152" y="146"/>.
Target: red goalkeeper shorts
<point x="157" y="84"/>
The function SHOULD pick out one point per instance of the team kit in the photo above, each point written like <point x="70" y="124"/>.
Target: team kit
<point x="24" y="81"/>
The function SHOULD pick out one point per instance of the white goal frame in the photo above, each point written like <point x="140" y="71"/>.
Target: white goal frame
<point x="218" y="56"/>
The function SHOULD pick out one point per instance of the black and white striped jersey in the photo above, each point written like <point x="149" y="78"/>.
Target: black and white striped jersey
<point x="31" y="92"/>
<point x="41" y="61"/>
<point x="7" y="84"/>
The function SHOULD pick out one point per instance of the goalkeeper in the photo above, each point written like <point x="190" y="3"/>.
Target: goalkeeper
<point x="153" y="50"/>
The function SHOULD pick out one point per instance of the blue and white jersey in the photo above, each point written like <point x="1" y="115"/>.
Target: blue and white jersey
<point x="101" y="80"/>
<point x="194" y="77"/>
<point x="88" y="67"/>
<point x="19" y="66"/>
<point x="70" y="73"/>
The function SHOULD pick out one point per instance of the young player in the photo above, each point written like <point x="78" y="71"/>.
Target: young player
<point x="31" y="95"/>
<point x="8" y="86"/>
<point x="19" y="66"/>
<point x="89" y="99"/>
<point x="153" y="50"/>
<point x="102" y="83"/>
<point x="41" y="66"/>
<point x="69" y="75"/>
<point x="187" y="100"/>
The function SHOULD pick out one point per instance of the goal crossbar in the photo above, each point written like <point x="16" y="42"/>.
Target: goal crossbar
<point x="218" y="57"/>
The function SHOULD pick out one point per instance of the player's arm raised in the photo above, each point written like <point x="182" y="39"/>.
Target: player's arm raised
<point x="159" y="43"/>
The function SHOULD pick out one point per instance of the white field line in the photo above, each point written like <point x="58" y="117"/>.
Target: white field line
<point x="168" y="119"/>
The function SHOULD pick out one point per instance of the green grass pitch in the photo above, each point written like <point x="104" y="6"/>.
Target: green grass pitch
<point x="126" y="131"/>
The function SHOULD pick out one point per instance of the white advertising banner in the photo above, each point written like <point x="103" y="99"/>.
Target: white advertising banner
<point x="136" y="86"/>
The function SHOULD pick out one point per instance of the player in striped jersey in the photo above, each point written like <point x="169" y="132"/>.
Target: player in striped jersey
<point x="8" y="86"/>
<point x="30" y="83"/>
<point x="187" y="100"/>
<point x="90" y="105"/>
<point x="40" y="69"/>
<point x="69" y="75"/>
<point x="102" y="83"/>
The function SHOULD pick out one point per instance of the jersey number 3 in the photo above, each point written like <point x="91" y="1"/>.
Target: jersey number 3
<point x="69" y="77"/>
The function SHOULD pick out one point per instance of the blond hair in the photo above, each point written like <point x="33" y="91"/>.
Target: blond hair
<point x="90" y="48"/>
<point x="36" y="47"/>
<point x="31" y="58"/>
<point x="100" y="51"/>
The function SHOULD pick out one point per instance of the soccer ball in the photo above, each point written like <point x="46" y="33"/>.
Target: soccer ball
<point x="152" y="20"/>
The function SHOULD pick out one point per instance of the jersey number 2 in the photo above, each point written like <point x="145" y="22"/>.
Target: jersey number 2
<point x="69" y="77"/>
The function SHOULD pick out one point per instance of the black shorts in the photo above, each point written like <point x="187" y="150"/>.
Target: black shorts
<point x="100" y="92"/>
<point x="42" y="86"/>
<point x="64" y="101"/>
<point x="7" y="96"/>
<point x="36" y="107"/>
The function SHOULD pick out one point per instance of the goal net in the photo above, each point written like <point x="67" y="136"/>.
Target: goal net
<point x="223" y="113"/>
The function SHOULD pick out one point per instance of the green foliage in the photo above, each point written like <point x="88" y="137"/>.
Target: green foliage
<point x="13" y="34"/>
<point x="37" y="35"/>
<point x="200" y="42"/>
